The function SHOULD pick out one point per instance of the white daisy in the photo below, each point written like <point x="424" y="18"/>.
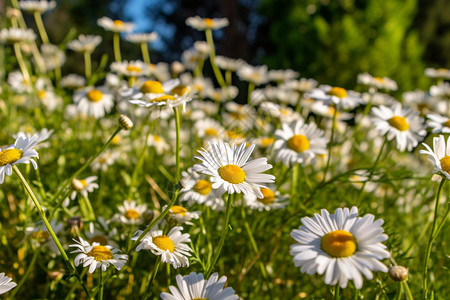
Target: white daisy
<point x="115" y="26"/>
<point x="85" y="43"/>
<point x="21" y="152"/>
<point x="441" y="90"/>
<point x="272" y="199"/>
<point x="222" y="94"/>
<point x="73" y="81"/>
<point x="43" y="135"/>
<point x="402" y="124"/>
<point x="140" y="38"/>
<point x="437" y="73"/>
<point x="194" y="286"/>
<point x="229" y="170"/>
<point x="208" y="128"/>
<point x="16" y="35"/>
<point x="52" y="56"/>
<point x="171" y="247"/>
<point x="96" y="256"/>
<point x="134" y="68"/>
<point x="439" y="156"/>
<point x="438" y="123"/>
<point x="341" y="97"/>
<point x="282" y="75"/>
<point x="104" y="160"/>
<point x="18" y="83"/>
<point x="6" y="284"/>
<point x="131" y="213"/>
<point x="228" y="64"/>
<point x="94" y="101"/>
<point x="239" y="116"/>
<point x="182" y="215"/>
<point x="384" y="83"/>
<point x="257" y="75"/>
<point x="202" y="24"/>
<point x="83" y="186"/>
<point x="37" y="6"/>
<point x="299" y="143"/>
<point x="341" y="245"/>
<point x="303" y="85"/>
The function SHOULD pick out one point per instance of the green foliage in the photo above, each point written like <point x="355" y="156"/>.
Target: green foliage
<point x="333" y="41"/>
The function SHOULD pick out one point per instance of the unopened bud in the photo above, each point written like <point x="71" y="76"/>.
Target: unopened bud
<point x="125" y="122"/>
<point x="77" y="185"/>
<point x="398" y="273"/>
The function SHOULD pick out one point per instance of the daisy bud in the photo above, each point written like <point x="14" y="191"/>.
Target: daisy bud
<point x="125" y="122"/>
<point x="398" y="273"/>
<point x="77" y="185"/>
<point x="12" y="12"/>
<point x="75" y="223"/>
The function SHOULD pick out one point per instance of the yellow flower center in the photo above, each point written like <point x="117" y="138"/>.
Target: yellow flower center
<point x="102" y="240"/>
<point x="211" y="132"/>
<point x="164" y="243"/>
<point x="442" y="70"/>
<point x="379" y="79"/>
<point x="9" y="156"/>
<point x="95" y="95"/>
<point x="132" y="214"/>
<point x="445" y="163"/>
<point x="133" y="69"/>
<point x="180" y="90"/>
<point x="41" y="94"/>
<point x="399" y="123"/>
<point x="267" y="141"/>
<point x="200" y="298"/>
<point x="100" y="253"/>
<point x="179" y="210"/>
<point x="163" y="98"/>
<point x="338" y="92"/>
<point x="154" y="87"/>
<point x="446" y="123"/>
<point x="298" y="143"/>
<point x="116" y="139"/>
<point x="237" y="116"/>
<point x="118" y="22"/>
<point x="83" y="182"/>
<point x="232" y="173"/>
<point x="339" y="243"/>
<point x="209" y="22"/>
<point x="202" y="187"/>
<point x="268" y="195"/>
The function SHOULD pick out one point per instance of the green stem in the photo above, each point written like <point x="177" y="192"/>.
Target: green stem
<point x="251" y="87"/>
<point x="154" y="272"/>
<point x="375" y="164"/>
<point x="399" y="292"/>
<point x="295" y="173"/>
<point x="444" y="219"/>
<point x="22" y="65"/>
<point x="222" y="236"/>
<point x="100" y="283"/>
<point x="27" y="273"/>
<point x="409" y="295"/>
<point x="49" y="227"/>
<point x="145" y="53"/>
<point x="87" y="66"/>
<point x="430" y="240"/>
<point x="228" y="77"/>
<point x="41" y="28"/>
<point x="330" y="146"/>
<point x="116" y="44"/>
<point x="212" y="56"/>
<point x="177" y="150"/>
<point x="337" y="292"/>
<point x="138" y="166"/>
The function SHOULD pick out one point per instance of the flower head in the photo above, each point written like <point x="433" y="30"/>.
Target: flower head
<point x="37" y="6"/>
<point x="342" y="246"/>
<point x="85" y="43"/>
<point x="131" y="213"/>
<point x="202" y="24"/>
<point x="5" y="283"/>
<point x="439" y="156"/>
<point x="114" y="25"/>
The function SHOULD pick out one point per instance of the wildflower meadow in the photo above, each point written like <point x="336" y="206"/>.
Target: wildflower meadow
<point x="211" y="177"/>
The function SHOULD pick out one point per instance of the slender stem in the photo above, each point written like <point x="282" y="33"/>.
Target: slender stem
<point x="330" y="146"/>
<point x="177" y="150"/>
<point x="116" y="44"/>
<point x="100" y="284"/>
<point x="22" y="65"/>
<point x="444" y="219"/>
<point x="145" y="53"/>
<point x="430" y="240"/>
<point x="27" y="273"/>
<point x="337" y="292"/>
<point x="87" y="65"/>
<point x="41" y="27"/>
<point x="154" y="272"/>
<point x="228" y="77"/>
<point x="37" y="56"/>
<point x="251" y="87"/>
<point x="223" y="235"/>
<point x="49" y="227"/>
<point x="295" y="173"/>
<point x="399" y="292"/>
<point x="375" y="164"/>
<point x="154" y="222"/>
<point x="212" y="56"/>
<point x="409" y="295"/>
<point x="138" y="166"/>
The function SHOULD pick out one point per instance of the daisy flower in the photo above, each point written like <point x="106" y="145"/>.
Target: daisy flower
<point x="282" y="75"/>
<point x="83" y="186"/>
<point x="85" y="43"/>
<point x="342" y="246"/>
<point x="37" y="6"/>
<point x="197" y="189"/>
<point x="441" y="90"/>
<point x="229" y="170"/>
<point x="94" y="101"/>
<point x="140" y="38"/>
<point x="299" y="143"/>
<point x="134" y="68"/>
<point x="6" y="284"/>
<point x="402" y="124"/>
<point x="96" y="256"/>
<point x="156" y="141"/>
<point x="73" y="81"/>
<point x="182" y="215"/>
<point x="207" y="129"/>
<point x="171" y="247"/>
<point x="52" y="56"/>
<point x="257" y="75"/>
<point x="21" y="152"/>
<point x="131" y="213"/>
<point x="202" y="24"/>
<point x="43" y="135"/>
<point x="303" y="85"/>
<point x="104" y="160"/>
<point x="115" y="26"/>
<point x="194" y="286"/>
<point x="228" y="64"/>
<point x="439" y="156"/>
<point x="16" y="35"/>
<point x="339" y="96"/>
<point x="272" y="200"/>
<point x="384" y="83"/>
<point x="222" y="94"/>
<point x="437" y="73"/>
<point x="239" y="116"/>
<point x="438" y="123"/>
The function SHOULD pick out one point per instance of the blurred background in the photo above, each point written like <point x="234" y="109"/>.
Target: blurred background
<point x="329" y="40"/>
